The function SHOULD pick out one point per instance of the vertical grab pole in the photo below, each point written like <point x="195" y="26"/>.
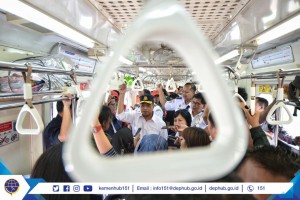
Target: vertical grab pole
<point x="74" y="108"/>
<point x="279" y="99"/>
<point x="252" y="96"/>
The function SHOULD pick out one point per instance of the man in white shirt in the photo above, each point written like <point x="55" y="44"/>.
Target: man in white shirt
<point x="188" y="92"/>
<point x="146" y="121"/>
<point x="198" y="106"/>
<point x="157" y="109"/>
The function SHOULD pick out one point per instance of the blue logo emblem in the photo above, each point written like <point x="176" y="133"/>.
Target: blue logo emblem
<point x="87" y="188"/>
<point x="55" y="188"/>
<point x="11" y="186"/>
<point x="66" y="188"/>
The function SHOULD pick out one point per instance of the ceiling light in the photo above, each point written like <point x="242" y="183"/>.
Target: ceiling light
<point x="227" y="56"/>
<point x="29" y="13"/>
<point x="125" y="60"/>
<point x="121" y="59"/>
<point x="288" y="26"/>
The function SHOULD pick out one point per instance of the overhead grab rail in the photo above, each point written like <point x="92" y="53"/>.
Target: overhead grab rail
<point x="15" y="95"/>
<point x="271" y="75"/>
<point x="29" y="108"/>
<point x="34" y="102"/>
<point x="279" y="105"/>
<point x="22" y="68"/>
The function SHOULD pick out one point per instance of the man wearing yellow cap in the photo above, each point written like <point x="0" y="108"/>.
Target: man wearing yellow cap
<point x="144" y="122"/>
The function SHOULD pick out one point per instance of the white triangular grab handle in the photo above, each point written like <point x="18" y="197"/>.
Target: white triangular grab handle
<point x="279" y="105"/>
<point x="137" y="88"/>
<point x="169" y="22"/>
<point x="37" y="119"/>
<point x="171" y="83"/>
<point x="237" y="95"/>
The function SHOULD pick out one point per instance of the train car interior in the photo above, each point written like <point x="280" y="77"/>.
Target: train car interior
<point x="88" y="48"/>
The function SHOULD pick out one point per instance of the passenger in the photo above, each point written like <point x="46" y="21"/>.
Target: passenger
<point x="182" y="121"/>
<point x="58" y="129"/>
<point x="180" y="89"/>
<point x="260" y="105"/>
<point x="115" y="124"/>
<point x="145" y="122"/>
<point x="123" y="142"/>
<point x="211" y="127"/>
<point x="105" y="119"/>
<point x="198" y="106"/>
<point x="102" y="139"/>
<point x="157" y="108"/>
<point x="268" y="164"/>
<point x="49" y="167"/>
<point x="193" y="137"/>
<point x="257" y="136"/>
<point x="243" y="93"/>
<point x="188" y="92"/>
<point x="155" y="94"/>
<point x="173" y="96"/>
<point x="170" y="122"/>
<point x="151" y="143"/>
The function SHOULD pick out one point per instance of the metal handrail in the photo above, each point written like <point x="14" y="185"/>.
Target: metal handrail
<point x="34" y="102"/>
<point x="273" y="74"/>
<point x="22" y="68"/>
<point x="4" y="95"/>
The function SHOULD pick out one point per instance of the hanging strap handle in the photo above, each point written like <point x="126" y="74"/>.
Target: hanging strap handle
<point x="139" y="87"/>
<point x="28" y="107"/>
<point x="73" y="76"/>
<point x="279" y="105"/>
<point x="171" y="84"/>
<point x="236" y="94"/>
<point x="27" y="86"/>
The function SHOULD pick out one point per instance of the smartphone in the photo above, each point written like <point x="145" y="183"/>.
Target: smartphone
<point x="137" y="132"/>
<point x="171" y="137"/>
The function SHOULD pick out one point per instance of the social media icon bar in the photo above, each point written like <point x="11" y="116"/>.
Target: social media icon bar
<point x="76" y="188"/>
<point x="66" y="188"/>
<point x="87" y="188"/>
<point x="55" y="188"/>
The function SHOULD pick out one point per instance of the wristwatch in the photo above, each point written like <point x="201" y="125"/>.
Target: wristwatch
<point x="97" y="128"/>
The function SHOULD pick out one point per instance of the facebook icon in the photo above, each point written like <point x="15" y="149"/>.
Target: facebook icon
<point x="66" y="188"/>
<point x="87" y="188"/>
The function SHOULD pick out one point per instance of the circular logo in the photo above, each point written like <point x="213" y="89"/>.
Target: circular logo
<point x="11" y="186"/>
<point x="250" y="188"/>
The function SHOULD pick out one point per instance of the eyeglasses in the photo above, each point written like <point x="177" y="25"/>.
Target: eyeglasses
<point x="196" y="103"/>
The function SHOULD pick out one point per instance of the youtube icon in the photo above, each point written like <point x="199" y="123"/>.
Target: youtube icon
<point x="87" y="188"/>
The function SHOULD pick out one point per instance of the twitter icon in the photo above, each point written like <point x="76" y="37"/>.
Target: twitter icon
<point x="55" y="188"/>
